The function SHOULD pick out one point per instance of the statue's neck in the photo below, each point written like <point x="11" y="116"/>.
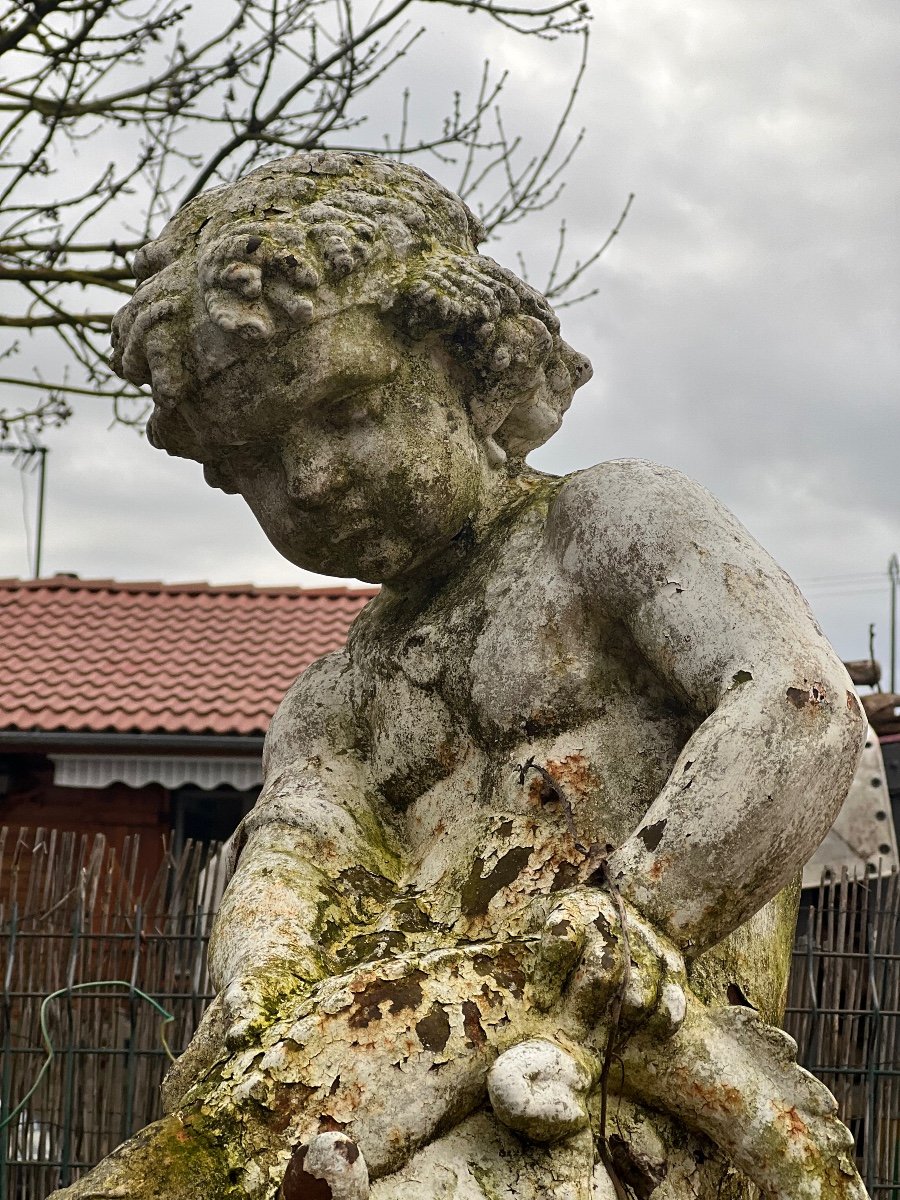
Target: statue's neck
<point x="509" y="495"/>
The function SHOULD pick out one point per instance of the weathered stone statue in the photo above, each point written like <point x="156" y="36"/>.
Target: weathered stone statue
<point x="514" y="908"/>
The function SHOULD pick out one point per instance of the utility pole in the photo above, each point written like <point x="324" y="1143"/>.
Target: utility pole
<point x="23" y="457"/>
<point x="893" y="576"/>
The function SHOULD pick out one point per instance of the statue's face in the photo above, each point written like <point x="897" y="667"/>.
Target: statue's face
<point x="366" y="466"/>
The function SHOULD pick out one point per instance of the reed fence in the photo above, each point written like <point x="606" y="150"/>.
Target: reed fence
<point x="87" y="938"/>
<point x="88" y="944"/>
<point x="844" y="1013"/>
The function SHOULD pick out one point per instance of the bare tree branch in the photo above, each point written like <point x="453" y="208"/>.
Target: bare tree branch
<point x="91" y="320"/>
<point x="557" y="289"/>
<point x="107" y="276"/>
<point x="174" y="112"/>
<point x="39" y="10"/>
<point x="125" y="390"/>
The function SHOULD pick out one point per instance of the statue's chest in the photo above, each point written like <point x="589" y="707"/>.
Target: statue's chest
<point x="539" y="660"/>
<point x="472" y="676"/>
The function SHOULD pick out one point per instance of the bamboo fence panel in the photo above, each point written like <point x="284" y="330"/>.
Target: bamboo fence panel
<point x="844" y="1012"/>
<point x="74" y="912"/>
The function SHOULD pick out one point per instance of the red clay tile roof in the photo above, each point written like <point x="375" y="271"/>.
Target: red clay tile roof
<point x="98" y="656"/>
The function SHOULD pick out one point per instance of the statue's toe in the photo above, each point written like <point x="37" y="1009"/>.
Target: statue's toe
<point x="540" y="1090"/>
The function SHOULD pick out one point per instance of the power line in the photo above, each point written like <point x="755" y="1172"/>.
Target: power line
<point x="849" y="577"/>
<point x="828" y="593"/>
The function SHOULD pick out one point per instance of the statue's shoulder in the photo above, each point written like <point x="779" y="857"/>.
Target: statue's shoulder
<point x="631" y="504"/>
<point x="626" y="528"/>
<point x="316" y="709"/>
<point x="623" y="484"/>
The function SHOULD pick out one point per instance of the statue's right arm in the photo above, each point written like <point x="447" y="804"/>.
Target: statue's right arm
<point x="298" y="853"/>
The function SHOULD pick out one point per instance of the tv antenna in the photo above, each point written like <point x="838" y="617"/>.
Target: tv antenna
<point x="27" y="457"/>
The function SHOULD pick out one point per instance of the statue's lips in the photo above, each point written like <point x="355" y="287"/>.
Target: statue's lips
<point x="349" y="535"/>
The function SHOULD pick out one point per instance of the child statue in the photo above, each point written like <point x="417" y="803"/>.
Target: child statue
<point x="514" y="906"/>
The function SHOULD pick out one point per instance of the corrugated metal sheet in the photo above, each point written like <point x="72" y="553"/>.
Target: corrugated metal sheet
<point x="863" y="835"/>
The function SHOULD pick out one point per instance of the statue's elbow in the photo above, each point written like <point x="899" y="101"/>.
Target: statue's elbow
<point x="828" y="717"/>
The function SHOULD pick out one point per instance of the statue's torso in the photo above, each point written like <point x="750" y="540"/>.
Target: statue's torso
<point x="512" y="733"/>
<point x="456" y="691"/>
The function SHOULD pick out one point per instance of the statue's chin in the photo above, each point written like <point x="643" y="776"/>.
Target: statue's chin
<point x="351" y="545"/>
<point x="371" y="561"/>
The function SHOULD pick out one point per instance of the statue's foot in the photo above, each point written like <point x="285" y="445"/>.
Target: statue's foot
<point x="330" y="1165"/>
<point x="801" y="1107"/>
<point x="540" y="1090"/>
<point x="731" y="1076"/>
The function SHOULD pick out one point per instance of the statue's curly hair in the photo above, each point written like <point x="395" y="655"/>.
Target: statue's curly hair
<point x="251" y="256"/>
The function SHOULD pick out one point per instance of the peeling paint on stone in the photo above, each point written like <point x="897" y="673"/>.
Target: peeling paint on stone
<point x="434" y="1029"/>
<point x="651" y="835"/>
<point x="480" y="890"/>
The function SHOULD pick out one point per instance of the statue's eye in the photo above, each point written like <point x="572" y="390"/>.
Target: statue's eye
<point x="356" y="407"/>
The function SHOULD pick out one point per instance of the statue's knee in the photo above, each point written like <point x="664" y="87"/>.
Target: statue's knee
<point x="540" y="1090"/>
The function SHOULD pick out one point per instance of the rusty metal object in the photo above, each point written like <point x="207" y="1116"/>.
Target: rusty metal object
<point x="865" y="672"/>
<point x="863" y="835"/>
<point x="883" y="711"/>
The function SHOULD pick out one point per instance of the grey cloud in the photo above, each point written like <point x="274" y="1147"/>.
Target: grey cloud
<point x="745" y="325"/>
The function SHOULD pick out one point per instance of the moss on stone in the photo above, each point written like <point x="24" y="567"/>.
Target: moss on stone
<point x="756" y="957"/>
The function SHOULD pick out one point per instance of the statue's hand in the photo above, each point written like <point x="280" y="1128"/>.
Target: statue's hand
<point x="603" y="957"/>
<point x="257" y="997"/>
<point x="247" y="1010"/>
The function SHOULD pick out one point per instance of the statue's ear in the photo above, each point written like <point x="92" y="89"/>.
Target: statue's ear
<point x="486" y="415"/>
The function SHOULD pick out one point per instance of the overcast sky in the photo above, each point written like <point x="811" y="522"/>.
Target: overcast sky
<point x="746" y="324"/>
